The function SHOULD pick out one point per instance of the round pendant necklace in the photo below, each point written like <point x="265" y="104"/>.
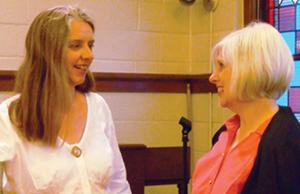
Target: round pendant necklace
<point x="76" y="151"/>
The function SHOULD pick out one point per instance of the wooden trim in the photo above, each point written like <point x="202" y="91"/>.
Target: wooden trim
<point x="250" y="11"/>
<point x="7" y="80"/>
<point x="131" y="82"/>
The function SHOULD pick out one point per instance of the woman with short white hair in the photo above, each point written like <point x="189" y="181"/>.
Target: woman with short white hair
<point x="258" y="149"/>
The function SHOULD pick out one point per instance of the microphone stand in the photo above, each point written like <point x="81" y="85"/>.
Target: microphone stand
<point x="186" y="128"/>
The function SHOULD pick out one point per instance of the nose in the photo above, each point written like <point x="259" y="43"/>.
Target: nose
<point x="87" y="53"/>
<point x="213" y="78"/>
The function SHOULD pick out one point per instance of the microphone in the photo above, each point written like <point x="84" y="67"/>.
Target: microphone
<point x="186" y="125"/>
<point x="186" y="128"/>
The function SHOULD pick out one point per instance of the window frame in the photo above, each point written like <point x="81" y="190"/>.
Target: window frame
<point x="257" y="10"/>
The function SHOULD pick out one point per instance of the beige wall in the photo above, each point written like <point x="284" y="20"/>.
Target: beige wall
<point x="142" y="36"/>
<point x="131" y="35"/>
<point x="206" y="29"/>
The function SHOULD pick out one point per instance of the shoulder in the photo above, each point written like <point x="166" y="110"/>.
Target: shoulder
<point x="278" y="155"/>
<point x="100" y="112"/>
<point x="231" y="121"/>
<point x="6" y="102"/>
<point x="97" y="102"/>
<point x="8" y="136"/>
<point x="4" y="106"/>
<point x="283" y="130"/>
<point x="95" y="97"/>
<point x="283" y="123"/>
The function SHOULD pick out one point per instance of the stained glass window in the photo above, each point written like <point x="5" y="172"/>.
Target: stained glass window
<point x="285" y="16"/>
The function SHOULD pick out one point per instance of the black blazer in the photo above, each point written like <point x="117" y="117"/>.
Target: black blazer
<point x="276" y="168"/>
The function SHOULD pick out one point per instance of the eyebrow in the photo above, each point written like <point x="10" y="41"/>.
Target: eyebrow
<point x="79" y="40"/>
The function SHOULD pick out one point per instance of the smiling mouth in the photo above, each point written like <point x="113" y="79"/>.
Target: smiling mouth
<point x="220" y="89"/>
<point x="82" y="67"/>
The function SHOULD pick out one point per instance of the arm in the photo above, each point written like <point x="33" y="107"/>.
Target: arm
<point x="276" y="168"/>
<point x="288" y="169"/>
<point x="8" y="139"/>
<point x="275" y="171"/>
<point x="118" y="183"/>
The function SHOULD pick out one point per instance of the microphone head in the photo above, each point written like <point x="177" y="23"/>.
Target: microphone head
<point x="186" y="124"/>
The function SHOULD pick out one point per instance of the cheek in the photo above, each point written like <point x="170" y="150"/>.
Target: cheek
<point x="68" y="65"/>
<point x="71" y="57"/>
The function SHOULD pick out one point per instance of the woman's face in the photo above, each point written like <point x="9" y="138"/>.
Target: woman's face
<point x="221" y="77"/>
<point x="79" y="53"/>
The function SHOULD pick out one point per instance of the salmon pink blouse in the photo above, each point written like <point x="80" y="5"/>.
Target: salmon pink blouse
<point x="225" y="169"/>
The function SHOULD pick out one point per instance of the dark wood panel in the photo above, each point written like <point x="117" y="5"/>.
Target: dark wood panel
<point x="131" y="82"/>
<point x="134" y="157"/>
<point x="165" y="165"/>
<point x="154" y="166"/>
<point x="200" y="84"/>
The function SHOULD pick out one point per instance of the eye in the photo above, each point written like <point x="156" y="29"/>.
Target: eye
<point x="91" y="45"/>
<point x="75" y="45"/>
<point x="219" y="65"/>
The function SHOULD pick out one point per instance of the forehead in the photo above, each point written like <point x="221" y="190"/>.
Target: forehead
<point x="224" y="54"/>
<point x="80" y="29"/>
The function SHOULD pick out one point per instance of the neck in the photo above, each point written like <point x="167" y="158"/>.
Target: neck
<point x="254" y="113"/>
<point x="73" y="93"/>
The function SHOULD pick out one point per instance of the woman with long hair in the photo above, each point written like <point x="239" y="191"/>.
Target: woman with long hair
<point x="56" y="135"/>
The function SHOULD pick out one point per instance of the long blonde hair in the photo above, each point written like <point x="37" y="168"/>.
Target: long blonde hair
<point x="42" y="80"/>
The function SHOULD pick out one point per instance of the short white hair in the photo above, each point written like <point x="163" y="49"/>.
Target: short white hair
<point x="262" y="64"/>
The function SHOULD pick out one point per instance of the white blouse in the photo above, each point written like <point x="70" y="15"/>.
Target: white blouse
<point x="33" y="168"/>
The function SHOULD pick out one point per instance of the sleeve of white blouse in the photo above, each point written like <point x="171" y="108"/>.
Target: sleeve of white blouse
<point x="7" y="139"/>
<point x="118" y="183"/>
